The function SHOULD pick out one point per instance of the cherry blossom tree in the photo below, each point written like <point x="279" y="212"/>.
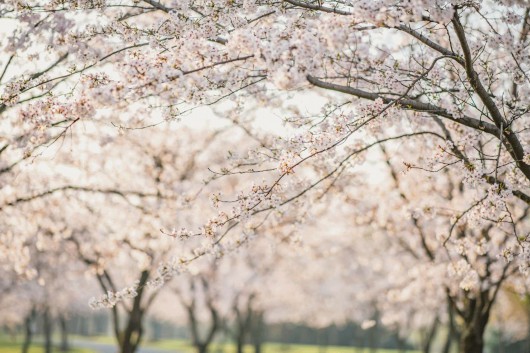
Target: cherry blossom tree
<point x="449" y="80"/>
<point x="56" y="285"/>
<point x="434" y="249"/>
<point x="437" y="73"/>
<point x="238" y="48"/>
<point x="108" y="213"/>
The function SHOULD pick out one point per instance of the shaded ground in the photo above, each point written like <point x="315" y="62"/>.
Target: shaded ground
<point x="10" y="346"/>
<point x="100" y="347"/>
<point x="106" y="345"/>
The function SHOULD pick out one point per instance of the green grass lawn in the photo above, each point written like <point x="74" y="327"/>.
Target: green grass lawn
<point x="98" y="339"/>
<point x="185" y="347"/>
<point x="7" y="346"/>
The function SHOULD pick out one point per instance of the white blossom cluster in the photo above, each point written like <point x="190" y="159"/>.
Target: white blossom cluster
<point x="110" y="299"/>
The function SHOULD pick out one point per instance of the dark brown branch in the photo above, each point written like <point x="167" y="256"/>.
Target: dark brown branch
<point x="121" y="193"/>
<point x="511" y="142"/>
<point x="309" y="6"/>
<point x="408" y="104"/>
<point x="158" y="5"/>
<point x="5" y="67"/>
<point x="429" y="42"/>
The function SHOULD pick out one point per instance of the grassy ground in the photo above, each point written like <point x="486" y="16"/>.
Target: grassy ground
<point x="16" y="347"/>
<point x="98" y="339"/>
<point x="185" y="347"/>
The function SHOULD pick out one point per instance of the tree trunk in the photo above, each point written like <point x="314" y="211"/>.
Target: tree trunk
<point x="131" y="337"/>
<point x="28" y="330"/>
<point x="475" y="313"/>
<point x="47" y="321"/>
<point x="64" y="334"/>
<point x="472" y="339"/>
<point x="448" y="342"/>
<point x="239" y="344"/>
<point x="527" y="324"/>
<point x="201" y="345"/>
<point x="242" y="327"/>
<point x="202" y="348"/>
<point x="471" y="343"/>
<point x="244" y="322"/>
<point x="452" y="334"/>
<point x="401" y="343"/>
<point x="257" y="346"/>
<point x="258" y="326"/>
<point x="427" y="343"/>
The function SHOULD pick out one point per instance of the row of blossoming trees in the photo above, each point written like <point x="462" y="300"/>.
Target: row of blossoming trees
<point x="399" y="180"/>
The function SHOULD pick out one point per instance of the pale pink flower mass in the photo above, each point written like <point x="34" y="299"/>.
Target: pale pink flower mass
<point x="249" y="163"/>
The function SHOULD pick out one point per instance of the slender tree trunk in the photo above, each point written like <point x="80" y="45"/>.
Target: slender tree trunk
<point x="244" y="323"/>
<point x="28" y="330"/>
<point x="242" y="327"/>
<point x="239" y="344"/>
<point x="452" y="334"/>
<point x="201" y="345"/>
<point x="132" y="335"/>
<point x="448" y="342"/>
<point x="527" y="325"/>
<point x="258" y="327"/>
<point x="64" y="334"/>
<point x="427" y="343"/>
<point x="47" y="321"/>
<point x="401" y="344"/>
